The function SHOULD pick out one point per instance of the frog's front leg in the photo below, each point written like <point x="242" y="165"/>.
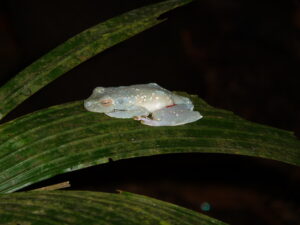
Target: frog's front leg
<point x="131" y="112"/>
<point x="171" y="116"/>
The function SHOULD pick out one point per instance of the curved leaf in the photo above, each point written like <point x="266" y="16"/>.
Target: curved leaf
<point x="79" y="207"/>
<point x="79" y="49"/>
<point x="67" y="137"/>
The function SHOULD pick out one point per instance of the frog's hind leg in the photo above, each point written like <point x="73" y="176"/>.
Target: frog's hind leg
<point x="171" y="116"/>
<point x="132" y="112"/>
<point x="183" y="101"/>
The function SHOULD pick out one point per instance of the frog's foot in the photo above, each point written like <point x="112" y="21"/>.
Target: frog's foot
<point x="147" y="121"/>
<point x="138" y="117"/>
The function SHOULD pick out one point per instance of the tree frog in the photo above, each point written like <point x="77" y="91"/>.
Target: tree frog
<point x="149" y="103"/>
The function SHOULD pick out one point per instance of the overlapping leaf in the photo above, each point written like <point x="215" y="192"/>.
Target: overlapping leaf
<point x="79" y="49"/>
<point x="66" y="137"/>
<point x="78" y="207"/>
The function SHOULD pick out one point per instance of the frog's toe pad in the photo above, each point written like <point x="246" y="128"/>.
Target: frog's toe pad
<point x="145" y="120"/>
<point x="140" y="118"/>
<point x="150" y="122"/>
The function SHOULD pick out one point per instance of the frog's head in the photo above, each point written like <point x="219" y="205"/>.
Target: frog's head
<point x="99" y="101"/>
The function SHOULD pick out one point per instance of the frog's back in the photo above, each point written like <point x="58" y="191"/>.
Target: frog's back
<point x="149" y="87"/>
<point x="137" y="89"/>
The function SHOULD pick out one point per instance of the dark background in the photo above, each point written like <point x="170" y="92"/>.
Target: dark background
<point x="238" y="55"/>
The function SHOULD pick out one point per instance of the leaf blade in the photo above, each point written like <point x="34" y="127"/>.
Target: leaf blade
<point x="79" y="49"/>
<point x="66" y="137"/>
<point x="83" y="207"/>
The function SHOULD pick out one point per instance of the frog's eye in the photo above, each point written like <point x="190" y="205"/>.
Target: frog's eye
<point x="106" y="102"/>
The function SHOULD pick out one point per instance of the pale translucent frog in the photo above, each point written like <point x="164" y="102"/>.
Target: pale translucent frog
<point x="149" y="103"/>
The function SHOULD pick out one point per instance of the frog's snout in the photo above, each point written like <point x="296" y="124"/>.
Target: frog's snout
<point x="87" y="104"/>
<point x="93" y="105"/>
<point x="90" y="105"/>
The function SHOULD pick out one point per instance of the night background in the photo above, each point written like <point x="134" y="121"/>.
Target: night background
<point x="242" y="56"/>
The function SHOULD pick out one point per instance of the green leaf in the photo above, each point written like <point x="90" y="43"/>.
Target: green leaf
<point x="67" y="137"/>
<point x="82" y="207"/>
<point x="79" y="49"/>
